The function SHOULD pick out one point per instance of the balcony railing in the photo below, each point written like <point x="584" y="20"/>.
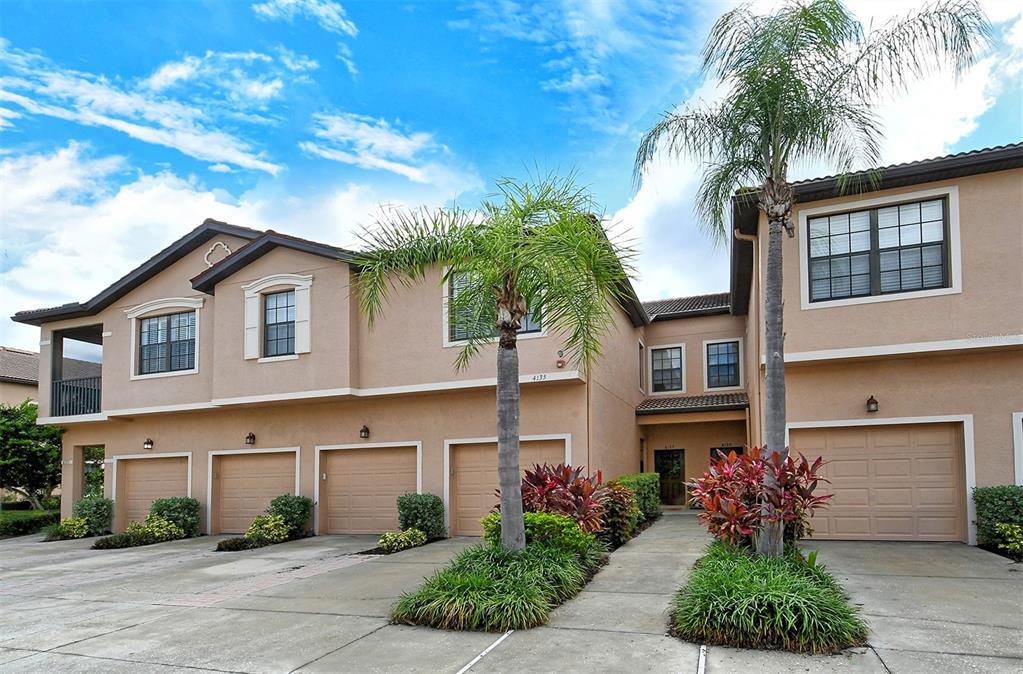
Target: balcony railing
<point x="75" y="396"/>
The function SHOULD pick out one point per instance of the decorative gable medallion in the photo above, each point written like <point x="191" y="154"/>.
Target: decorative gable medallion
<point x="217" y="252"/>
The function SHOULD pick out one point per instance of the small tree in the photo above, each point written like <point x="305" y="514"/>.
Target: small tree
<point x="536" y="249"/>
<point x="29" y="454"/>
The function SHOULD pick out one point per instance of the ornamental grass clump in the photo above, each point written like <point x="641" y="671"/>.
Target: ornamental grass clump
<point x="739" y="599"/>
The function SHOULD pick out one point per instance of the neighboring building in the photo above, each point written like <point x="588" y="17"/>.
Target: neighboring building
<point x="247" y="371"/>
<point x="19" y="374"/>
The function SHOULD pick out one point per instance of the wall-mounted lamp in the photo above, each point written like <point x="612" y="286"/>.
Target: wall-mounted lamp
<point x="250" y="439"/>
<point x="364" y="432"/>
<point x="147" y="443"/>
<point x="872" y="405"/>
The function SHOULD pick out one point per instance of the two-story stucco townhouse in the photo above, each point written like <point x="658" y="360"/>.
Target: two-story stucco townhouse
<point x="236" y="367"/>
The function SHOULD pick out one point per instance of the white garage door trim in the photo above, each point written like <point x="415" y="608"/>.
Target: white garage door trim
<point x="567" y="437"/>
<point x="970" y="462"/>
<point x="223" y="452"/>
<point x="164" y="455"/>
<point x="418" y="444"/>
<point x="1017" y="445"/>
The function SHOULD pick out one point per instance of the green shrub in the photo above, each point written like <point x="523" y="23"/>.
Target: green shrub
<point x="647" y="487"/>
<point x="22" y="522"/>
<point x="1012" y="539"/>
<point x="113" y="542"/>
<point x="488" y="588"/>
<point x="98" y="511"/>
<point x="267" y="530"/>
<point x="296" y="512"/>
<point x="424" y="512"/>
<point x="181" y="510"/>
<point x="997" y="505"/>
<point x="235" y="544"/>
<point x="559" y="531"/>
<point x="69" y="528"/>
<point x="161" y="529"/>
<point x="741" y="600"/>
<point x="50" y="502"/>
<point x="138" y="534"/>
<point x="395" y="541"/>
<point x="621" y="514"/>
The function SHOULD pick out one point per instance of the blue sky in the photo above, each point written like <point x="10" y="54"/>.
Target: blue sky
<point x="124" y="124"/>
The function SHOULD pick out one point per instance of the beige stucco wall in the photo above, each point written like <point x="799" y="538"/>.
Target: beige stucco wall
<point x="693" y="332"/>
<point x="551" y="408"/>
<point x="987" y="385"/>
<point x="15" y="394"/>
<point x="991" y="241"/>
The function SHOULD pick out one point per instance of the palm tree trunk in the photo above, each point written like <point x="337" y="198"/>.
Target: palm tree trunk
<point x="513" y="532"/>
<point x="770" y="541"/>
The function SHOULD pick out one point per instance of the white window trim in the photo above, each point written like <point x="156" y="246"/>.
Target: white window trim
<point x="650" y="368"/>
<point x="969" y="460"/>
<point x="955" y="253"/>
<point x="642" y="369"/>
<point x="155" y="455"/>
<point x="161" y="305"/>
<point x="277" y="359"/>
<point x="225" y="452"/>
<point x="706" y="364"/>
<point x="1017" y="445"/>
<point x="418" y="444"/>
<point x="566" y="437"/>
<point x="302" y="286"/>
<point x="446" y="332"/>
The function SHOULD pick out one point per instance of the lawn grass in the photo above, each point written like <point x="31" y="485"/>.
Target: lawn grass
<point x="741" y="600"/>
<point x="487" y="588"/>
<point x="23" y="522"/>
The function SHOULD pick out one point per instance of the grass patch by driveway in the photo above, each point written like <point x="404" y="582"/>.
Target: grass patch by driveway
<point x="735" y="598"/>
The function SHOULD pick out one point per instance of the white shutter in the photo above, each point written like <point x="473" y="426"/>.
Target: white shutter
<point x="302" y="332"/>
<point x="251" y="326"/>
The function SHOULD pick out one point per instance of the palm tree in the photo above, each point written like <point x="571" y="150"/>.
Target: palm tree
<point x="534" y="249"/>
<point x="800" y="84"/>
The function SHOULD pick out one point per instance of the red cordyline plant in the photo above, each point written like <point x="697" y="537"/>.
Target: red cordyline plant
<point x="732" y="493"/>
<point x="564" y="490"/>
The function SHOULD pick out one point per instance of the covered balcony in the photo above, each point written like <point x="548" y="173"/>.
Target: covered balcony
<point x="76" y="371"/>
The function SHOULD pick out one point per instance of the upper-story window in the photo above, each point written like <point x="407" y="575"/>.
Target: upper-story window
<point x="167" y="343"/>
<point x="723" y="364"/>
<point x="878" y="251"/>
<point x="460" y="323"/>
<point x="667" y="369"/>
<point x="279" y="324"/>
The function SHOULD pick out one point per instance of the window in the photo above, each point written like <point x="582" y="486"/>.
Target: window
<point x="879" y="251"/>
<point x="642" y="368"/>
<point x="459" y="323"/>
<point x="167" y="343"/>
<point x="723" y="364"/>
<point x="279" y="324"/>
<point x="666" y="369"/>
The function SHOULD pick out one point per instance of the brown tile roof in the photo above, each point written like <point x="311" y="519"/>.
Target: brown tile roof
<point x="681" y="307"/>
<point x="711" y="402"/>
<point x="22" y="367"/>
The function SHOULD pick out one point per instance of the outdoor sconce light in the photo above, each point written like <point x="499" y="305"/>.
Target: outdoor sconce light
<point x="872" y="405"/>
<point x="147" y="443"/>
<point x="250" y="439"/>
<point x="364" y="432"/>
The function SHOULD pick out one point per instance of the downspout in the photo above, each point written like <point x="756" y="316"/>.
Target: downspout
<point x="753" y="239"/>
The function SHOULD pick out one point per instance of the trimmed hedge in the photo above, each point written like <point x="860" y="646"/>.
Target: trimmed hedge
<point x="396" y="541"/>
<point x="561" y="531"/>
<point x="997" y="505"/>
<point x="23" y="522"/>
<point x="156" y="529"/>
<point x="647" y="487"/>
<point x="424" y="512"/>
<point x="296" y="512"/>
<point x="97" y="511"/>
<point x="183" y="511"/>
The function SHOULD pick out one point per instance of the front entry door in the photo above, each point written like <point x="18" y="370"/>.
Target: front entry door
<point x="670" y="464"/>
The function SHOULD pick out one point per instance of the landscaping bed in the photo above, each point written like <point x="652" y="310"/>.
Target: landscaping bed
<point x="743" y="600"/>
<point x="24" y="522"/>
<point x="1000" y="520"/>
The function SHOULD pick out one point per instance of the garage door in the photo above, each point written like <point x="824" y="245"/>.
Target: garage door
<point x="362" y="486"/>
<point x="474" y="478"/>
<point x="142" y="481"/>
<point x="890" y="482"/>
<point x="244" y="485"/>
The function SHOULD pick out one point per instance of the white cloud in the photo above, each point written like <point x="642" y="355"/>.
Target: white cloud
<point x="330" y="16"/>
<point x="219" y="168"/>
<point x="173" y="73"/>
<point x="371" y="143"/>
<point x="72" y="226"/>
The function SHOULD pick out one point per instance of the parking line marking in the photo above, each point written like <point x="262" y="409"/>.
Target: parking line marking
<point x="702" y="666"/>
<point x="486" y="650"/>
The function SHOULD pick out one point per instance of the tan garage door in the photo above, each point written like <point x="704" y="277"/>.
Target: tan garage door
<point x="142" y="481"/>
<point x="890" y="482"/>
<point x="360" y="492"/>
<point x="244" y="485"/>
<point x="474" y="478"/>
